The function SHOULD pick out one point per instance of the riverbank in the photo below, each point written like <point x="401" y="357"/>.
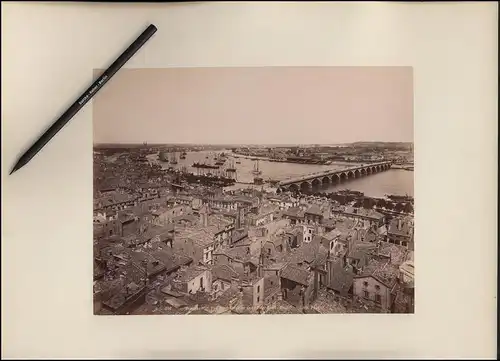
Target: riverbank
<point x="273" y="160"/>
<point x="280" y="160"/>
<point x="392" y="204"/>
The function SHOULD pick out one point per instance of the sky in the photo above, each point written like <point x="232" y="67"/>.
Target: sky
<point x="258" y="105"/>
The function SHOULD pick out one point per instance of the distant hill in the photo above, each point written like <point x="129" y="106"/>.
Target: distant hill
<point x="392" y="145"/>
<point x="400" y="145"/>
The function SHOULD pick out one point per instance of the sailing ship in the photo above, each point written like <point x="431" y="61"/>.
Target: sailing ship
<point x="174" y="159"/>
<point x="183" y="155"/>
<point x="256" y="170"/>
<point x="231" y="168"/>
<point x="219" y="161"/>
<point x="162" y="156"/>
<point x="231" y="171"/>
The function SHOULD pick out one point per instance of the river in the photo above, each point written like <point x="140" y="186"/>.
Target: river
<point x="394" y="181"/>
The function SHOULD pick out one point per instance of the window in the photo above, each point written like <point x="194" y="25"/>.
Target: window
<point x="378" y="299"/>
<point x="258" y="289"/>
<point x="310" y="231"/>
<point x="258" y="299"/>
<point x="366" y="294"/>
<point x="377" y="287"/>
<point x="222" y="286"/>
<point x="365" y="284"/>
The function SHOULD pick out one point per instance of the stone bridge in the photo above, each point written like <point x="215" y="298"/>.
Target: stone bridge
<point x="315" y="180"/>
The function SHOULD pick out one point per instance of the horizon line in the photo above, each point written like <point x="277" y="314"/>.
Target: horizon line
<point x="250" y="143"/>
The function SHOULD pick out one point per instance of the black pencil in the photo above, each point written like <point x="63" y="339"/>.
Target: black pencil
<point x="83" y="99"/>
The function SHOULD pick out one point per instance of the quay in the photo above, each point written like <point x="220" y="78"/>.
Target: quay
<point x="403" y="167"/>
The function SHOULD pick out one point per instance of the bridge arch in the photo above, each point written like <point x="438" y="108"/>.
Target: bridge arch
<point x="305" y="186"/>
<point x="343" y="176"/>
<point x="326" y="180"/>
<point x="357" y="173"/>
<point x="335" y="178"/>
<point x="363" y="171"/>
<point x="315" y="183"/>
<point x="350" y="174"/>
<point x="293" y="187"/>
<point x="373" y="169"/>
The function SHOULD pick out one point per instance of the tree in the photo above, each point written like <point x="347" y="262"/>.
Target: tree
<point x="341" y="200"/>
<point x="408" y="207"/>
<point x="368" y="203"/>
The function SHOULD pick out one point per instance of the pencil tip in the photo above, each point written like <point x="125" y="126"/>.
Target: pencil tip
<point x="16" y="167"/>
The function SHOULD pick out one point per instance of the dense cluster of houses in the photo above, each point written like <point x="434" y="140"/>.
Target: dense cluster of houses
<point x="160" y="250"/>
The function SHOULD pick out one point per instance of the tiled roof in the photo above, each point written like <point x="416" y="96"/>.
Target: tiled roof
<point x="238" y="235"/>
<point x="332" y="234"/>
<point x="282" y="307"/>
<point x="223" y="272"/>
<point x="384" y="272"/>
<point x="405" y="230"/>
<point x="396" y="253"/>
<point x="342" y="279"/>
<point x="314" y="209"/>
<point x="170" y="259"/>
<point x="235" y="253"/>
<point x="326" y="304"/>
<point x="293" y="212"/>
<point x="369" y="213"/>
<point x="295" y="274"/>
<point x="188" y="274"/>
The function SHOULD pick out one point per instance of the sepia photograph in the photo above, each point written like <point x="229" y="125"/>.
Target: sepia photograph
<point x="254" y="190"/>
